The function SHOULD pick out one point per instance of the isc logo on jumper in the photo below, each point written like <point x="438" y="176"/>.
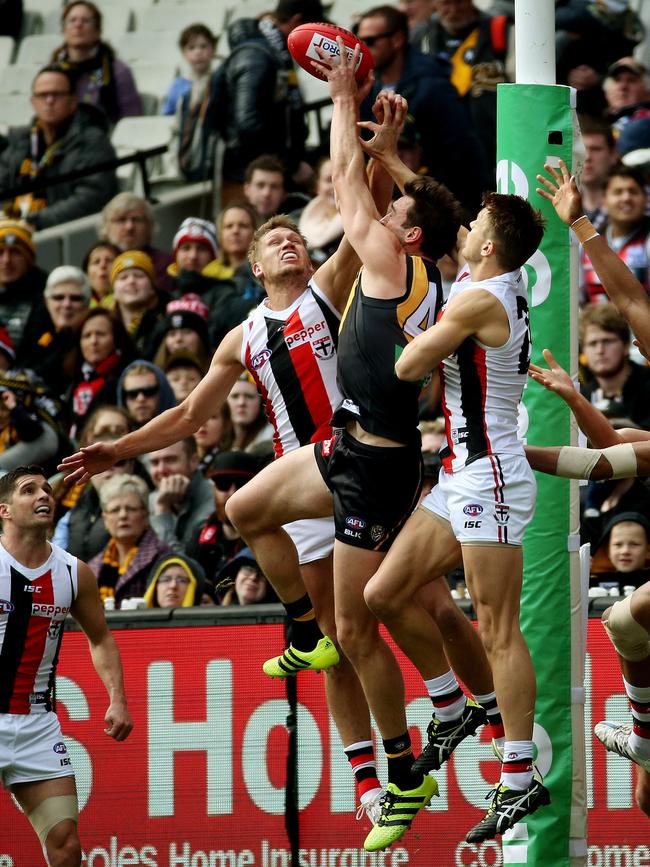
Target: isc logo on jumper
<point x="473" y="509"/>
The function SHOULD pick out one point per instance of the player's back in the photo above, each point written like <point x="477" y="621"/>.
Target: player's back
<point x="33" y="606"/>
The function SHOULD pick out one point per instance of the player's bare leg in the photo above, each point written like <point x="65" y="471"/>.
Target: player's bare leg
<point x="61" y="842"/>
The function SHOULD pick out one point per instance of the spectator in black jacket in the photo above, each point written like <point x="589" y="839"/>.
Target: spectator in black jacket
<point x="451" y="151"/>
<point x="65" y="136"/>
<point x="21" y="281"/>
<point x="11" y="18"/>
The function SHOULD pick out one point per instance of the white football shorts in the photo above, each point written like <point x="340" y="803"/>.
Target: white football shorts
<point x="32" y="748"/>
<point x="313" y="538"/>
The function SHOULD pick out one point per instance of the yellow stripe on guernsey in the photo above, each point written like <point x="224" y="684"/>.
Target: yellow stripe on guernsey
<point x="348" y="304"/>
<point x="418" y="291"/>
<point x="461" y="70"/>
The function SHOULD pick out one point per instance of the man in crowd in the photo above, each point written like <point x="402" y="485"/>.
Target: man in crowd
<point x="21" y="281"/>
<point x="264" y="185"/>
<point x="626" y="92"/>
<point x="183" y="498"/>
<point x="434" y="104"/>
<point x="65" y="136"/>
<point x="35" y="765"/>
<point x="600" y="159"/>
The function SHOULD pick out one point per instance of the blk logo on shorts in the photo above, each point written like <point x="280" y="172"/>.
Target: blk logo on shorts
<point x="473" y="509"/>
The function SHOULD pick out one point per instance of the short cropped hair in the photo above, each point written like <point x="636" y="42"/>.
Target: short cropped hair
<point x="67" y="274"/>
<point x="396" y="21"/>
<point x="195" y="31"/>
<point x="607" y="318"/>
<point x="436" y="212"/>
<point x="595" y="126"/>
<point x="636" y="174"/>
<point x="59" y="70"/>
<point x="265" y="163"/>
<point x="9" y="481"/>
<point x="116" y="486"/>
<point x="518" y="228"/>
<point x="280" y="221"/>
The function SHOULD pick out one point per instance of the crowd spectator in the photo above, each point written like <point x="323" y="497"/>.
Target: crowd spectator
<point x="476" y="46"/>
<point x="194" y="247"/>
<point x="101" y="79"/>
<point x="144" y="392"/>
<point x="320" y="222"/>
<point x="257" y="106"/>
<point x="244" y="582"/>
<point x="188" y="98"/>
<point x="124" y="563"/>
<point x="264" y="186"/>
<point x="627" y="229"/>
<point x="626" y="92"/>
<point x="182" y="498"/>
<point x="11" y="18"/>
<point x="450" y="148"/>
<point x="97" y="265"/>
<point x="251" y="429"/>
<point x="418" y="14"/>
<point x="184" y="372"/>
<point x="621" y="555"/>
<point x="128" y="222"/>
<point x="104" y="351"/>
<point x="22" y="282"/>
<point x="217" y="541"/>
<point x="213" y="437"/>
<point x="617" y="386"/>
<point x="65" y="136"/>
<point x="50" y="339"/>
<point x="236" y="225"/>
<point x="185" y="327"/>
<point x="600" y="159"/>
<point x="176" y="581"/>
<point x="139" y="305"/>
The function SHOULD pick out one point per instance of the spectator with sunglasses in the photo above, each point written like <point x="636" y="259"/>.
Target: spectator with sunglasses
<point x="182" y="498"/>
<point x="217" y="541"/>
<point x="144" y="391"/>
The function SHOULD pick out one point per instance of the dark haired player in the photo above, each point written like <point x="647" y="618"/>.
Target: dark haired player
<point x="40" y="584"/>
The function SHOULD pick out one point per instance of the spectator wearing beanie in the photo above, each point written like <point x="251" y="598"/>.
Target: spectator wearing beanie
<point x="185" y="328"/>
<point x="138" y="304"/>
<point x="21" y="281"/>
<point x="48" y="346"/>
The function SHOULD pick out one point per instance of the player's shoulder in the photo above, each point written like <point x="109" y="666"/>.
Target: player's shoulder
<point x="63" y="556"/>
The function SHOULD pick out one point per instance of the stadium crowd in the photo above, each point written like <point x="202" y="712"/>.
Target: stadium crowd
<point x="97" y="348"/>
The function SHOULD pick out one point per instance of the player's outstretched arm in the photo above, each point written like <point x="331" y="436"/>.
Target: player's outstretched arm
<point x="172" y="425"/>
<point x="87" y="610"/>
<point x="622" y="461"/>
<point x="591" y="422"/>
<point x="622" y="287"/>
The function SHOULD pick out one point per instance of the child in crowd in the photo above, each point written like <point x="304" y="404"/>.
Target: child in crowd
<point x="622" y="554"/>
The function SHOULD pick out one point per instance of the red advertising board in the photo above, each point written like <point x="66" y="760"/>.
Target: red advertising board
<point x="200" y="782"/>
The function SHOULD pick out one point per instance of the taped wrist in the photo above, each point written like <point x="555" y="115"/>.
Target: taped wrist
<point x="583" y="229"/>
<point x="578" y="463"/>
<point x="631" y="640"/>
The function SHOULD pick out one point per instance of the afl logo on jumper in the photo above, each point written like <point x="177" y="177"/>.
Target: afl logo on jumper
<point x="261" y="358"/>
<point x="472" y="509"/>
<point x="6" y="607"/>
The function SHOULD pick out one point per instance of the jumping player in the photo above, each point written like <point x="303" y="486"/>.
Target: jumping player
<point x="39" y="585"/>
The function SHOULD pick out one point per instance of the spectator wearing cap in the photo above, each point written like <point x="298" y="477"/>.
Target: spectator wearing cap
<point x="97" y="264"/>
<point x="627" y="230"/>
<point x="242" y="582"/>
<point x="51" y="332"/>
<point x="185" y="328"/>
<point x="65" y="136"/>
<point x="217" y="541"/>
<point x="128" y="222"/>
<point x="101" y="79"/>
<point x="183" y="499"/>
<point x="184" y="372"/>
<point x="177" y="581"/>
<point x="21" y="281"/>
<point x="103" y="351"/>
<point x="626" y="92"/>
<point x="144" y="392"/>
<point x="138" y="303"/>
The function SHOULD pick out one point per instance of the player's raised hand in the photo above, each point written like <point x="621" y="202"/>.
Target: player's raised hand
<point x="562" y="192"/>
<point x="340" y="73"/>
<point x="88" y="461"/>
<point x="554" y="378"/>
<point x="118" y="721"/>
<point x="390" y="109"/>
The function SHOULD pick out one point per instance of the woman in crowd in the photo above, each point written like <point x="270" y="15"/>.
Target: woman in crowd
<point x="176" y="581"/>
<point x="320" y="221"/>
<point x="104" y="350"/>
<point x="252" y="432"/>
<point x="185" y="328"/>
<point x="215" y="435"/>
<point x="48" y="347"/>
<point x="244" y="582"/>
<point x="97" y="265"/>
<point x="102" y="79"/>
<point x="138" y="304"/>
<point x="125" y="562"/>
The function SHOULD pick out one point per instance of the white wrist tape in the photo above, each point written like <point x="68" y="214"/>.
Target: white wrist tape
<point x="622" y="459"/>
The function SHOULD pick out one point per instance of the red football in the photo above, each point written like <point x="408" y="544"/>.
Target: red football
<point x="306" y="38"/>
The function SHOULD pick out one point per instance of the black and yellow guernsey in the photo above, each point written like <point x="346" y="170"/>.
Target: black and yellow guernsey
<point x="373" y="333"/>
